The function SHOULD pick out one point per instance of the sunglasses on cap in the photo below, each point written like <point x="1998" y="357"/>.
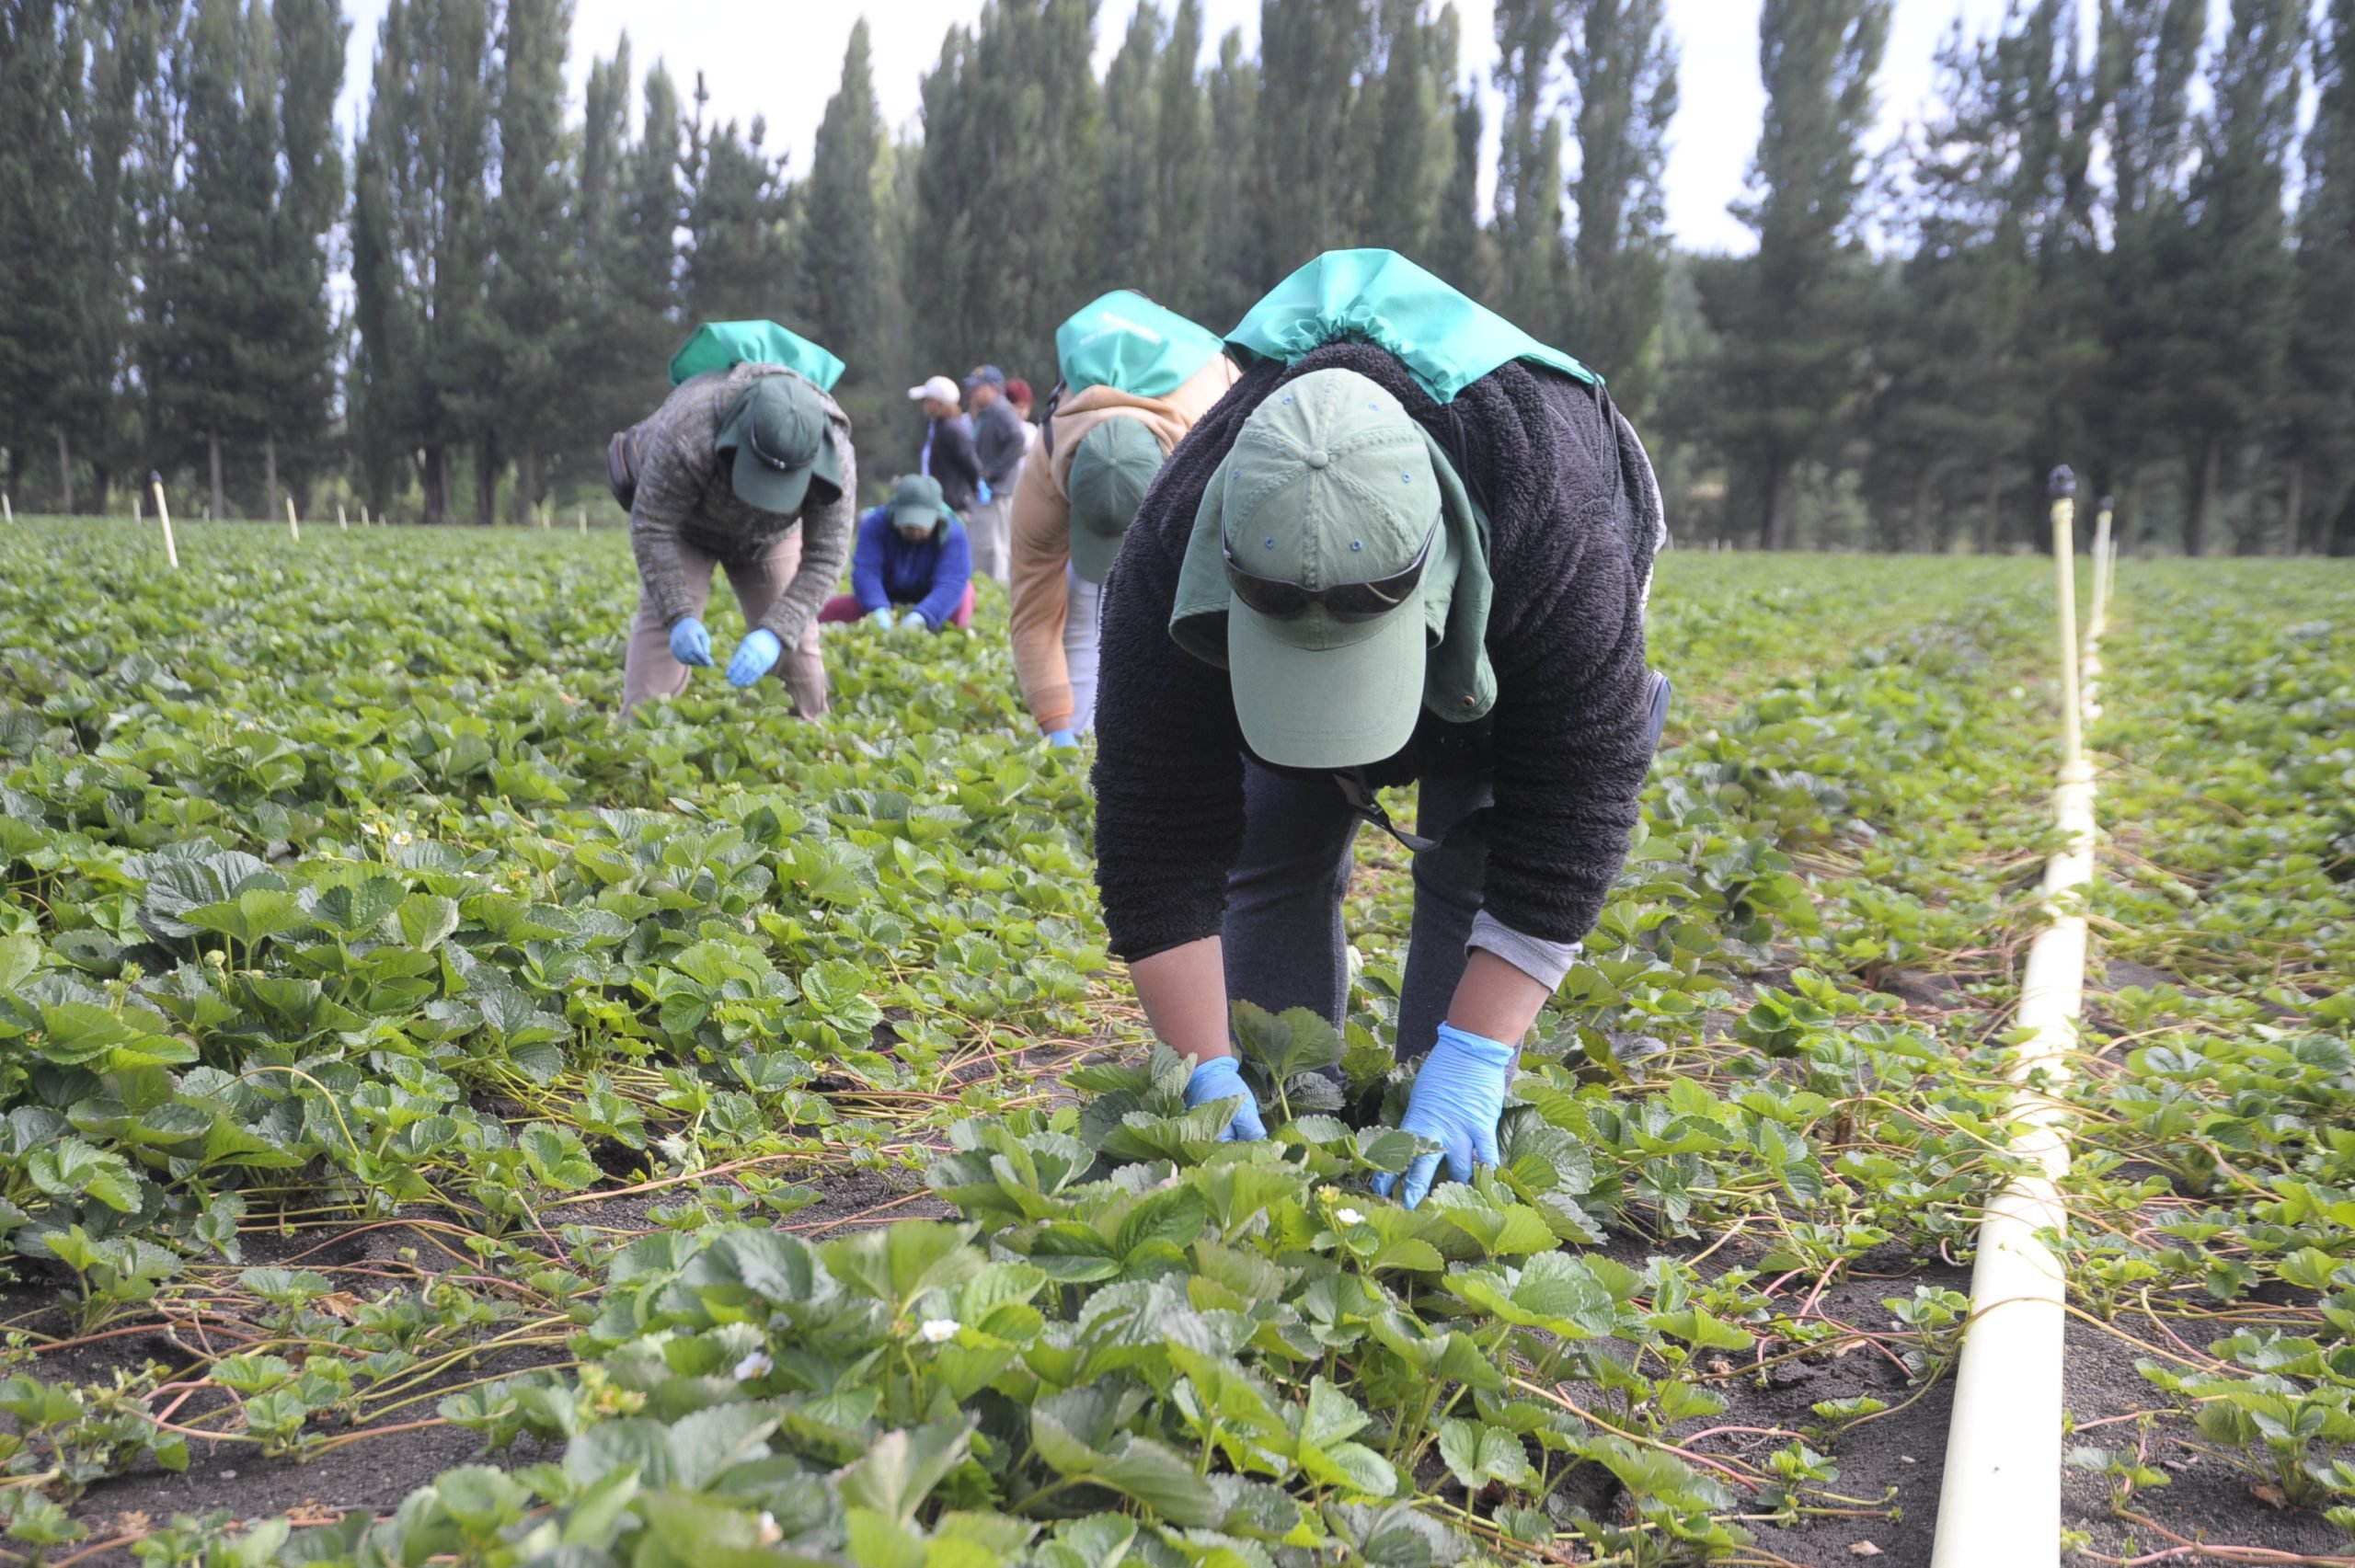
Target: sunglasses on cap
<point x="1345" y="601"/>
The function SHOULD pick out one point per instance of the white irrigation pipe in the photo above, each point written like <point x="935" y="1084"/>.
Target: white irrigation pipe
<point x="164" y="515"/>
<point x="2000" y="1504"/>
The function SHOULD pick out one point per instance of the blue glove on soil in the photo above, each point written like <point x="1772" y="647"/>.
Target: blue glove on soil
<point x="1220" y="1079"/>
<point x="690" y="644"/>
<point x="755" y="656"/>
<point x="1062" y="739"/>
<point x="881" y="618"/>
<point x="1459" y="1092"/>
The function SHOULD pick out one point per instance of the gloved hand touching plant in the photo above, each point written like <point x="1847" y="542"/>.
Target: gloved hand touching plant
<point x="1458" y="1095"/>
<point x="913" y="621"/>
<point x="1220" y="1079"/>
<point x="881" y="618"/>
<point x="1062" y="739"/>
<point x="691" y="644"/>
<point x="755" y="656"/>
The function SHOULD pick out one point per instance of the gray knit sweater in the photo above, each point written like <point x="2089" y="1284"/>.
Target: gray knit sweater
<point x="685" y="498"/>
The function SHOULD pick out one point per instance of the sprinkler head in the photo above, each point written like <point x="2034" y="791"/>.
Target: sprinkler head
<point x="2062" y="484"/>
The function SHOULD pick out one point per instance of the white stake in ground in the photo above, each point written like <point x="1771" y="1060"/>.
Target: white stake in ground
<point x="293" y="527"/>
<point x="338" y="516"/>
<point x="2000" y="1503"/>
<point x="8" y="512"/>
<point x="164" y="515"/>
<point x="583" y="516"/>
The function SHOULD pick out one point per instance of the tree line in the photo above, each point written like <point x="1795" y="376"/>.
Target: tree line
<point x="2123" y="253"/>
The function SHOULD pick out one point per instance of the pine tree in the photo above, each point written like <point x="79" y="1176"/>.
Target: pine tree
<point x="2238" y="291"/>
<point x="1127" y="228"/>
<point x="841" y="267"/>
<point x="1789" y="318"/>
<point x="535" y="284"/>
<point x="1622" y="68"/>
<point x="1532" y="261"/>
<point x="646" y="255"/>
<point x="2321" y="422"/>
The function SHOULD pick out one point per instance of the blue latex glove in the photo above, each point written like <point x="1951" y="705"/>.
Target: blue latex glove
<point x="881" y="618"/>
<point x="1459" y="1094"/>
<point x="981" y="489"/>
<point x="690" y="644"/>
<point x="755" y="656"/>
<point x="1220" y="1079"/>
<point x="1062" y="739"/>
<point x="913" y="621"/>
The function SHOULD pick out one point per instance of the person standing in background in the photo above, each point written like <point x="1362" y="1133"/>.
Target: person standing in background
<point x="947" y="453"/>
<point x="1000" y="444"/>
<point x="1135" y="377"/>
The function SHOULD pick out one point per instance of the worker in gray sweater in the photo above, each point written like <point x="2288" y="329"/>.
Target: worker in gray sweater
<point x="749" y="469"/>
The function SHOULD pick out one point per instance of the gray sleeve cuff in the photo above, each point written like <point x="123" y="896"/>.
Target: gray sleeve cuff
<point x="1542" y="961"/>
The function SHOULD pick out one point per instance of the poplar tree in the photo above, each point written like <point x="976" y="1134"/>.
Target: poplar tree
<point x="2321" y="413"/>
<point x="1177" y="269"/>
<point x="1789" y="318"/>
<point x="737" y="264"/>
<point x="42" y="199"/>
<point x="1128" y="230"/>
<point x="1412" y="133"/>
<point x="1311" y="53"/>
<point x="535" y="284"/>
<point x="420" y="247"/>
<point x="840" y="268"/>
<point x="2148" y="56"/>
<point x="1533" y="263"/>
<point x="1621" y="65"/>
<point x="1241" y="262"/>
<point x="2237" y="295"/>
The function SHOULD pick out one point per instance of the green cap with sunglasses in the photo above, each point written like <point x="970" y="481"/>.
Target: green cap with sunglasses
<point x="1339" y="554"/>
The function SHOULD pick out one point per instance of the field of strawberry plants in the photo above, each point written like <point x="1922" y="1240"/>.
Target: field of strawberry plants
<point x="440" y="1125"/>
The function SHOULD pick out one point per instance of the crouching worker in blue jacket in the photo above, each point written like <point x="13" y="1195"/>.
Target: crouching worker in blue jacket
<point x="913" y="567"/>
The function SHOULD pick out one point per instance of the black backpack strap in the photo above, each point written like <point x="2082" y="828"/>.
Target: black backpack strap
<point x="1047" y="418"/>
<point x="1367" y="805"/>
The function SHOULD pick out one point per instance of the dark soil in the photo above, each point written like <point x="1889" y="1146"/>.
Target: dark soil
<point x="374" y="1474"/>
<point x="2205" y="1501"/>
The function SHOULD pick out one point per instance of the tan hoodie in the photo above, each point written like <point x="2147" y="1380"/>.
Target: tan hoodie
<point x="1041" y="522"/>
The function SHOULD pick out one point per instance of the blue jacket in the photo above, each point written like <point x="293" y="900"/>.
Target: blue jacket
<point x="930" y="573"/>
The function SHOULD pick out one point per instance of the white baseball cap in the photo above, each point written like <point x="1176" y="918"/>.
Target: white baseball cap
<point x="939" y="388"/>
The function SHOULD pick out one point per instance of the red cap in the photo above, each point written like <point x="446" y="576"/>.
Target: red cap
<point x="1018" y="391"/>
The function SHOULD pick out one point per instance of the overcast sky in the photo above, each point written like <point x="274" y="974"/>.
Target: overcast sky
<point x="781" y="59"/>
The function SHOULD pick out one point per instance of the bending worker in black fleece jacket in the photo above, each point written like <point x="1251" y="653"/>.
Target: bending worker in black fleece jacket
<point x="1410" y="544"/>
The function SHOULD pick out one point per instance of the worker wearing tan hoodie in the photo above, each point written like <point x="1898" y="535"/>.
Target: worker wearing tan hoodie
<point x="1135" y="377"/>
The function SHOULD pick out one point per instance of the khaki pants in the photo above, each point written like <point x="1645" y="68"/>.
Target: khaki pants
<point x="651" y="671"/>
<point x="990" y="532"/>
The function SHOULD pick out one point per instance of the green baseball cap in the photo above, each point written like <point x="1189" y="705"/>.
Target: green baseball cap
<point x="915" y="502"/>
<point x="1329" y="487"/>
<point x="1109" y="475"/>
<point x="779" y="430"/>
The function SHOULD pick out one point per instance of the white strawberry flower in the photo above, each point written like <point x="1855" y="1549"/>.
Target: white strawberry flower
<point x="401" y="838"/>
<point x="1348" y="1217"/>
<point x="756" y="1365"/>
<point x="938" y="1331"/>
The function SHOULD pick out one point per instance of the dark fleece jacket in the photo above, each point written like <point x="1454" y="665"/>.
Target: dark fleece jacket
<point x="1573" y="519"/>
